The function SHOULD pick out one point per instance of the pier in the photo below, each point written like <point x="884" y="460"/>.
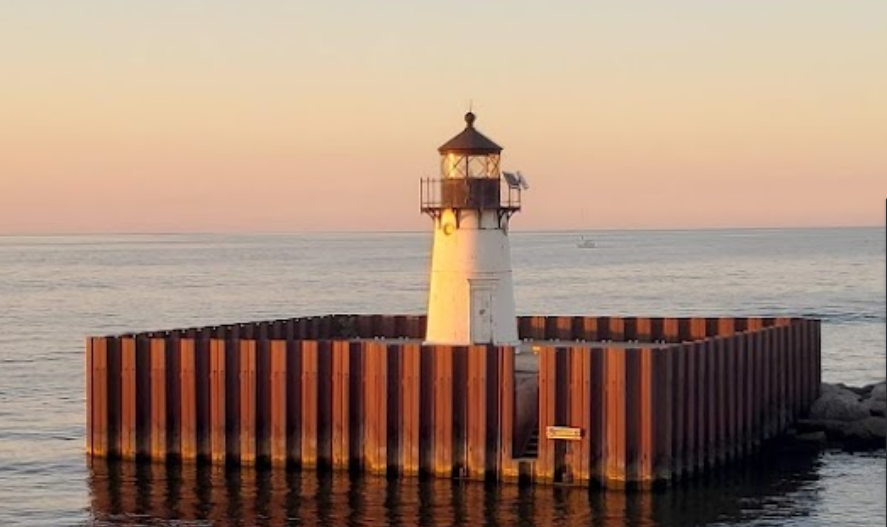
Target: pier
<point x="603" y="401"/>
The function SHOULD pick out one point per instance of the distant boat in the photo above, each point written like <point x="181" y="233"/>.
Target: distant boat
<point x="585" y="243"/>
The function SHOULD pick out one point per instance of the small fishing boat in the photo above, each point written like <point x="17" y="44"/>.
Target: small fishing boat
<point x="585" y="243"/>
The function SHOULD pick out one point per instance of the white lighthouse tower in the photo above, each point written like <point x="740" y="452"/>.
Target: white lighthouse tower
<point x="471" y="296"/>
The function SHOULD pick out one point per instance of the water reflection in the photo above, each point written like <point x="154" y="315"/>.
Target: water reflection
<point x="769" y="490"/>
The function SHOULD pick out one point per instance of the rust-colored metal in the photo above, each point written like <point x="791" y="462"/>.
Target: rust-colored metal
<point x="232" y="392"/>
<point x="293" y="395"/>
<point x="263" y="393"/>
<point x="218" y="400"/>
<point x="598" y="425"/>
<point x="643" y="329"/>
<point x="633" y="409"/>
<point x="578" y="453"/>
<point x="278" y="402"/>
<point x="537" y="328"/>
<point x="114" y="396"/>
<point x="393" y="402"/>
<point x="442" y="402"/>
<point x="188" y="398"/>
<point x="644" y="413"/>
<point x="663" y="404"/>
<point x="721" y="410"/>
<point x="710" y="353"/>
<point x="731" y="372"/>
<point x="143" y="397"/>
<point x="691" y="408"/>
<point x="564" y="327"/>
<point x="741" y="374"/>
<point x="91" y="399"/>
<point x="247" y="397"/>
<point x="646" y="474"/>
<point x="614" y="410"/>
<point x="548" y="389"/>
<point x="616" y="329"/>
<point x="670" y="330"/>
<point x="173" y="395"/>
<point x="375" y="409"/>
<point x="309" y="403"/>
<point x="680" y="391"/>
<point x="754" y="324"/>
<point x="128" y="432"/>
<point x="202" y="394"/>
<point x="476" y="412"/>
<point x="158" y="399"/>
<point x="410" y="391"/>
<point x="324" y="402"/>
<point x="100" y="396"/>
<point x="698" y="328"/>
<point x="509" y="469"/>
<point x="589" y="328"/>
<point x="726" y="327"/>
<point x="340" y="403"/>
<point x="748" y="391"/>
<point x="459" y="405"/>
<point x="700" y="401"/>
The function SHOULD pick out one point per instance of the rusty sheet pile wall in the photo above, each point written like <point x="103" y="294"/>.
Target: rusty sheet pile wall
<point x="250" y="394"/>
<point x="657" y="413"/>
<point x="327" y="392"/>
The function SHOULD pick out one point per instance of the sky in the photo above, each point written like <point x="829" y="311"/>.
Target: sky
<point x="296" y="116"/>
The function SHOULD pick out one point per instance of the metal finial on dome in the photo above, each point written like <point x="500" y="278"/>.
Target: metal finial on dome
<point x="469" y="118"/>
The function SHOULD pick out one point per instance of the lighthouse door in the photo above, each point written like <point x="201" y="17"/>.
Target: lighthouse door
<point x="482" y="310"/>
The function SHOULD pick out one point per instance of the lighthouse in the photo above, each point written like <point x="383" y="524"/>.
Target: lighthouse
<point x="471" y="292"/>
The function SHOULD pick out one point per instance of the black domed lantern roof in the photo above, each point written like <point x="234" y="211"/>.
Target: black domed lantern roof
<point x="470" y="141"/>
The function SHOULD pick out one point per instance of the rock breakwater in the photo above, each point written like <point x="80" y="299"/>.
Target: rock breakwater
<point x="847" y="417"/>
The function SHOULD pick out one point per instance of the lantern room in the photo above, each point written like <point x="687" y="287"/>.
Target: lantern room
<point x="470" y="177"/>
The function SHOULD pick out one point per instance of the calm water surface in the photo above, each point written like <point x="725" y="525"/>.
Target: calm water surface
<point x="56" y="290"/>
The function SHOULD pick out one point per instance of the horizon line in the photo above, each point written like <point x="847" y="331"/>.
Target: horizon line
<point x="396" y="231"/>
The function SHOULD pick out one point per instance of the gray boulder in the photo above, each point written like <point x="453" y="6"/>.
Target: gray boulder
<point x="838" y="403"/>
<point x="877" y="407"/>
<point x="870" y="432"/>
<point x="879" y="392"/>
<point x="812" y="438"/>
<point x="833" y="429"/>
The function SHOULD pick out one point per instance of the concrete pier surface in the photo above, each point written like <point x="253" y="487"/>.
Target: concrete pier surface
<point x="612" y="401"/>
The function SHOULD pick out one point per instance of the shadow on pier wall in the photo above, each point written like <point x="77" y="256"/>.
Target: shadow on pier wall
<point x="771" y="487"/>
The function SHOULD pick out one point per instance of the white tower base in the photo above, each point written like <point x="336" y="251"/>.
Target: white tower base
<point x="471" y="296"/>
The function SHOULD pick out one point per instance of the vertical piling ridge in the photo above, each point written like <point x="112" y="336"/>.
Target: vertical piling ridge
<point x="341" y="411"/>
<point x="188" y="398"/>
<point x="410" y="379"/>
<point x="217" y="401"/>
<point x="442" y="401"/>
<point x="128" y="398"/>
<point x="278" y="402"/>
<point x="547" y="400"/>
<point x="309" y="405"/>
<point x="614" y="411"/>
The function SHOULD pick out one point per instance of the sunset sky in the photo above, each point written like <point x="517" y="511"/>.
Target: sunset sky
<point x="289" y="116"/>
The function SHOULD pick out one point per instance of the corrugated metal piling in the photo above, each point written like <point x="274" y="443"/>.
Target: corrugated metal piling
<point x="641" y="400"/>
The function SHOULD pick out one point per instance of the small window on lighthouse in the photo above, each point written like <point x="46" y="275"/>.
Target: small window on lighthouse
<point x="453" y="166"/>
<point x="486" y="166"/>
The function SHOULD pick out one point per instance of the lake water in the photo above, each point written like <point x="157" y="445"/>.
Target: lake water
<point x="55" y="290"/>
